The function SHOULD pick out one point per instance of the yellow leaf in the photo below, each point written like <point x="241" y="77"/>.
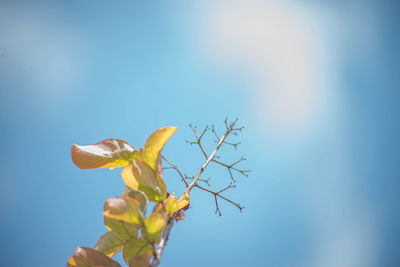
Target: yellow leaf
<point x="173" y="204"/>
<point x="155" y="143"/>
<point x="129" y="178"/>
<point x="154" y="225"/>
<point x="123" y="208"/>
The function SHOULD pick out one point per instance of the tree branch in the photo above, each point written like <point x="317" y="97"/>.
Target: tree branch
<point x="207" y="181"/>
<point x="173" y="166"/>
<point x="165" y="235"/>
<point x="217" y="194"/>
<point x="198" y="138"/>
<point x="163" y="240"/>
<point x="231" y="167"/>
<point x="211" y="157"/>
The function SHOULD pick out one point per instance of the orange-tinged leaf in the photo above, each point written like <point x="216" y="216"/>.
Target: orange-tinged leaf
<point x="124" y="209"/>
<point x="87" y="257"/>
<point x="159" y="167"/>
<point x="109" y="244"/>
<point x="173" y="204"/>
<point x="154" y="225"/>
<point x="140" y="261"/>
<point x="109" y="153"/>
<point x="137" y="195"/>
<point x="146" y="175"/>
<point x="139" y="176"/>
<point x="136" y="247"/>
<point x="155" y="143"/>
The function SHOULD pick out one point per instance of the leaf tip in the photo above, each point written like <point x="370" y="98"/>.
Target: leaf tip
<point x="75" y="157"/>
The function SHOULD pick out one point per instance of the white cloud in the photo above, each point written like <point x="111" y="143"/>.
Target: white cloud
<point x="275" y="46"/>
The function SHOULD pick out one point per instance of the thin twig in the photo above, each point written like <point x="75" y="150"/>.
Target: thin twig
<point x="231" y="167"/>
<point x="164" y="236"/>
<point x="211" y="157"/>
<point x="198" y="138"/>
<point x="163" y="240"/>
<point x="207" y="181"/>
<point x="217" y="194"/>
<point x="215" y="133"/>
<point x="232" y="144"/>
<point x="173" y="166"/>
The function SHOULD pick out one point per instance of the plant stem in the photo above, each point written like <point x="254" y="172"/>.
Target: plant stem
<point x="163" y="240"/>
<point x="165" y="235"/>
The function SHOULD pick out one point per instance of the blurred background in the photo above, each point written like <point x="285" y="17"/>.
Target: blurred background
<point x="316" y="83"/>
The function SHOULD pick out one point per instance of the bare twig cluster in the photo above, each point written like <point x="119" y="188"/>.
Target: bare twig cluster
<point x="204" y="180"/>
<point x="230" y="129"/>
<point x="192" y="181"/>
<point x="218" y="194"/>
<point x="173" y="166"/>
<point x="198" y="138"/>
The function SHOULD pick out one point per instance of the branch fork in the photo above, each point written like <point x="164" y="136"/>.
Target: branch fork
<point x="230" y="129"/>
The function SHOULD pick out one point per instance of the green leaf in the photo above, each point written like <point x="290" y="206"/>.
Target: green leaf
<point x="155" y="143"/>
<point x="137" y="247"/>
<point x="87" y="257"/>
<point x="154" y="224"/>
<point x="124" y="231"/>
<point x="140" y="176"/>
<point x="124" y="209"/>
<point x="109" y="244"/>
<point x="109" y="153"/>
<point x="173" y="204"/>
<point x="137" y="195"/>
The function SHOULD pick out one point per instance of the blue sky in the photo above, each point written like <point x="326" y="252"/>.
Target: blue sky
<point x="314" y="82"/>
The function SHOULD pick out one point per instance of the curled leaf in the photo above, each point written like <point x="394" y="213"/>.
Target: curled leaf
<point x="129" y="178"/>
<point x="109" y="153"/>
<point x="140" y="176"/>
<point x="124" y="209"/>
<point x="87" y="257"/>
<point x="173" y="204"/>
<point x="155" y="143"/>
<point x="137" y="195"/>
